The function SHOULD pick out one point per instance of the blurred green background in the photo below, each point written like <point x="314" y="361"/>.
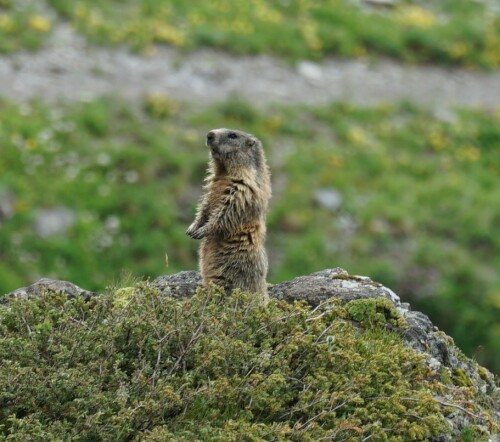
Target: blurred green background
<point x="407" y="195"/>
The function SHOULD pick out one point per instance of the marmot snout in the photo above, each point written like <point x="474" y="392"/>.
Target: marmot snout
<point x="231" y="216"/>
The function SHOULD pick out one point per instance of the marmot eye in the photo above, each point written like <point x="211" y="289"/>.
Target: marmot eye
<point x="232" y="135"/>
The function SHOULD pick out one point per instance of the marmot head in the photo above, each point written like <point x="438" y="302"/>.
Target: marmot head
<point x="233" y="148"/>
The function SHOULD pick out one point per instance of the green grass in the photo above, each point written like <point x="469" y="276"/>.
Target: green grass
<point x="22" y="26"/>
<point x="419" y="212"/>
<point x="458" y="32"/>
<point x="156" y="369"/>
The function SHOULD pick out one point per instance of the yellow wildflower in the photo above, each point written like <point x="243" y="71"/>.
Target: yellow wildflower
<point x="309" y="31"/>
<point x="437" y="139"/>
<point x="39" y="23"/>
<point x="160" y="106"/>
<point x="417" y="17"/>
<point x="494" y="299"/>
<point x="195" y="19"/>
<point x="468" y="153"/>
<point x="459" y="49"/>
<point x="31" y="144"/>
<point x="473" y="153"/>
<point x="357" y="135"/>
<point x="492" y="53"/>
<point x="266" y="14"/>
<point x="94" y="18"/>
<point x="168" y="34"/>
<point x="360" y="52"/>
<point x="492" y="57"/>
<point x="81" y="11"/>
<point x="241" y="27"/>
<point x="6" y="23"/>
<point x="20" y="206"/>
<point x="336" y="161"/>
<point x="274" y="122"/>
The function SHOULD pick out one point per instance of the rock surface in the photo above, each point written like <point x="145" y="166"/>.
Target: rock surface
<point x="53" y="221"/>
<point x="179" y="285"/>
<point x="441" y="354"/>
<point x="47" y="285"/>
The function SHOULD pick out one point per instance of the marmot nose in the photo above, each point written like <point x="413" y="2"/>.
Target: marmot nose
<point x="210" y="137"/>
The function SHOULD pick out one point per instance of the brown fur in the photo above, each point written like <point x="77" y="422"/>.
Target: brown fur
<point x="231" y="217"/>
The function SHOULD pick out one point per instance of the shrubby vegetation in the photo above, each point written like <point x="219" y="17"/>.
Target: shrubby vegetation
<point x="444" y="31"/>
<point x="135" y="365"/>
<point x="419" y="211"/>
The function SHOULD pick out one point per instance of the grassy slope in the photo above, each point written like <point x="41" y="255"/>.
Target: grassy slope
<point x="22" y="26"/>
<point x="419" y="210"/>
<point x="450" y="32"/>
<point x="138" y="366"/>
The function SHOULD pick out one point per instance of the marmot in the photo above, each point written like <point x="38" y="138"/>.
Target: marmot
<point x="231" y="216"/>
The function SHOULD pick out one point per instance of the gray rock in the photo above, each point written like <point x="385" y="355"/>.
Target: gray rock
<point x="330" y="199"/>
<point x="310" y="70"/>
<point x="381" y="3"/>
<point x="6" y="204"/>
<point x="179" y="285"/>
<point x="47" y="285"/>
<point x="50" y="222"/>
<point x="331" y="283"/>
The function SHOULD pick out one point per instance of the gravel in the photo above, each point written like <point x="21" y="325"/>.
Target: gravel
<point x="69" y="68"/>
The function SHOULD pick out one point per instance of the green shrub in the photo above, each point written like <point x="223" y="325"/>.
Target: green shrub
<point x="148" y="367"/>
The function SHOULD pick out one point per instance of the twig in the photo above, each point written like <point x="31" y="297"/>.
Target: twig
<point x="194" y="337"/>
<point x="445" y="404"/>
<point x="312" y="419"/>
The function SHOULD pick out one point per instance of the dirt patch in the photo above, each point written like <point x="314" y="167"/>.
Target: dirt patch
<point x="69" y="68"/>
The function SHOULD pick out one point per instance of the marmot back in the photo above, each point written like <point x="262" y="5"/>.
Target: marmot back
<point x="231" y="217"/>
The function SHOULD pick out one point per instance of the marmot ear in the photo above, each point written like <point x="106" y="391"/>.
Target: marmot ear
<point x="250" y="142"/>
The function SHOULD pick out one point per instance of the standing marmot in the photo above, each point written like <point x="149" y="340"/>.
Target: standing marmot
<point x="231" y="217"/>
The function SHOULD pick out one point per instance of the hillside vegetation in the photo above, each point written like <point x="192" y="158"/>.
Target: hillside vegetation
<point x="137" y="366"/>
<point x="452" y="32"/>
<point x="416" y="198"/>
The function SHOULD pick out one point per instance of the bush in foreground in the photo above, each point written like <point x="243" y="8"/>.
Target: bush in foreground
<point x="136" y="365"/>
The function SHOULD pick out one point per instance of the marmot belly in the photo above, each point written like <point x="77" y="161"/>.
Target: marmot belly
<point x="238" y="261"/>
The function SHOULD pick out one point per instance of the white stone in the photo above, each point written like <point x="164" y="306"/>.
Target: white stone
<point x="329" y="198"/>
<point x="394" y="298"/>
<point x="310" y="70"/>
<point x="49" y="222"/>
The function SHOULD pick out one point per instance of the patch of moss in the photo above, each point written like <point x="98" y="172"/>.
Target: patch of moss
<point x="342" y="276"/>
<point x="461" y="378"/>
<point x="483" y="373"/>
<point x="122" y="295"/>
<point x="374" y="312"/>
<point x="472" y="434"/>
<point x="445" y="376"/>
<point x="347" y="277"/>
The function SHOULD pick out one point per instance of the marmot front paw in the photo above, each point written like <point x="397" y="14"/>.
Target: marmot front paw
<point x="195" y="232"/>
